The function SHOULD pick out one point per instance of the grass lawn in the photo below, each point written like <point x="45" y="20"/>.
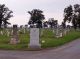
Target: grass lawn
<point x="48" y="37"/>
<point x="51" y="41"/>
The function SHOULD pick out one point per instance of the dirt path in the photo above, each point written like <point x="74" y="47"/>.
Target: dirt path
<point x="68" y="51"/>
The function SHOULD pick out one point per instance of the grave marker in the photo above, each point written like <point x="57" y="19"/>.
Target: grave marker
<point x="14" y="38"/>
<point x="34" y="38"/>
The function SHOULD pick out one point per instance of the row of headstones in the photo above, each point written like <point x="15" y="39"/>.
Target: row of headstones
<point x="34" y="36"/>
<point x="15" y="33"/>
<point x="9" y="31"/>
<point x="60" y="31"/>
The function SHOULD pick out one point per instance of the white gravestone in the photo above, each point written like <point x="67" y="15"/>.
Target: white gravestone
<point x="34" y="38"/>
<point x="1" y="32"/>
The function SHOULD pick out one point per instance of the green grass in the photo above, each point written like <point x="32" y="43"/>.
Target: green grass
<point x="5" y="42"/>
<point x="47" y="36"/>
<point x="51" y="41"/>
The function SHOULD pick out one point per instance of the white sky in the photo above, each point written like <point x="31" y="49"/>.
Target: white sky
<point x="52" y="9"/>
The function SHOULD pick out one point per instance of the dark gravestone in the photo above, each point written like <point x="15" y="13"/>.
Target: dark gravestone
<point x="14" y="38"/>
<point x="27" y="28"/>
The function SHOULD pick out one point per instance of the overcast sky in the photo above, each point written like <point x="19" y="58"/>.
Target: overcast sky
<point x="52" y="9"/>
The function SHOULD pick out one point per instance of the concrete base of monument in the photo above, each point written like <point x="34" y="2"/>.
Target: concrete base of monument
<point x="34" y="47"/>
<point x="14" y="41"/>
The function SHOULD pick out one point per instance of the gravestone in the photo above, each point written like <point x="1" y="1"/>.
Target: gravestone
<point x="11" y="33"/>
<point x="59" y="32"/>
<point x="41" y="32"/>
<point x="68" y="28"/>
<point x="65" y="31"/>
<point x="23" y="29"/>
<point x="7" y="32"/>
<point x="34" y="39"/>
<point x="14" y="38"/>
<point x="61" y="35"/>
<point x="1" y="32"/>
<point x="26" y="28"/>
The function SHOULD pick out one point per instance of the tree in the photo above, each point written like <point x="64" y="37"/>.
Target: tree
<point x="63" y="25"/>
<point x="45" y="24"/>
<point x="77" y="13"/>
<point x="68" y="13"/>
<point x="5" y="15"/>
<point x="36" y="17"/>
<point x="72" y="14"/>
<point x="52" y="22"/>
